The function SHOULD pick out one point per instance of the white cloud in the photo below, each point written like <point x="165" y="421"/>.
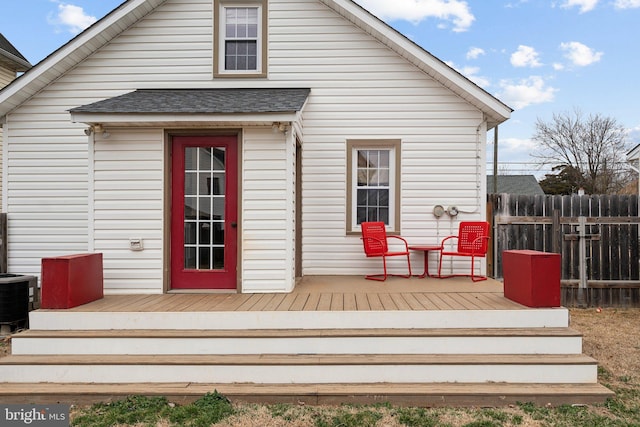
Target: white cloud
<point x="580" y="54"/>
<point x="584" y="5"/>
<point x="471" y="73"/>
<point x="627" y="4"/>
<point x="515" y="146"/>
<point x="72" y="17"/>
<point x="532" y="90"/>
<point x="633" y="135"/>
<point x="557" y="66"/>
<point x="514" y="156"/>
<point x="525" y="56"/>
<point x="516" y="4"/>
<point x="454" y="11"/>
<point x="475" y="52"/>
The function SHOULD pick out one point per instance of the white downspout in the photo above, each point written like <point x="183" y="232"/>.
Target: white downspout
<point x="478" y="174"/>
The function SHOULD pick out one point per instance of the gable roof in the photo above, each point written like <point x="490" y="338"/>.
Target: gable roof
<point x="526" y="185"/>
<point x="11" y="58"/>
<point x="73" y="52"/>
<point x="495" y="110"/>
<point x="194" y="101"/>
<point x="131" y="11"/>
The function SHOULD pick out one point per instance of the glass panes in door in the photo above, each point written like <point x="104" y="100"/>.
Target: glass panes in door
<point x="204" y="208"/>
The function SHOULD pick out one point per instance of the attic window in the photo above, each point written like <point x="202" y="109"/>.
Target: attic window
<point x="240" y="48"/>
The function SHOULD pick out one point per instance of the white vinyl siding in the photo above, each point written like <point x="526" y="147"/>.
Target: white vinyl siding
<point x="48" y="172"/>
<point x="6" y="76"/>
<point x="267" y="212"/>
<point x="46" y="187"/>
<point x="128" y="198"/>
<point x="359" y="90"/>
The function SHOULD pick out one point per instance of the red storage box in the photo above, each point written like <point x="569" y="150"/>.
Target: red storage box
<point x="532" y="278"/>
<point x="70" y="281"/>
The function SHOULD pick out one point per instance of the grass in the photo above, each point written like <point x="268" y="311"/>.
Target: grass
<point x="149" y="411"/>
<point x="215" y="410"/>
<point x="611" y="336"/>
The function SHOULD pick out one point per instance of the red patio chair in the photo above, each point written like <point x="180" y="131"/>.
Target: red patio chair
<point x="472" y="239"/>
<point x="374" y="239"/>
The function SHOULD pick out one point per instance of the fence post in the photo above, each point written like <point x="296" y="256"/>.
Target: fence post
<point x="556" y="232"/>
<point x="582" y="249"/>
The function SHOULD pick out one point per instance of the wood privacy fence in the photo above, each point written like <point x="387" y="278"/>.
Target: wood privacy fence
<point x="552" y="224"/>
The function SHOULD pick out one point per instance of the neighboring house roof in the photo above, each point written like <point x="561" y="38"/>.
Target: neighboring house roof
<point x="212" y="101"/>
<point x="526" y="185"/>
<point x="11" y="58"/>
<point x="634" y="153"/>
<point x="129" y="12"/>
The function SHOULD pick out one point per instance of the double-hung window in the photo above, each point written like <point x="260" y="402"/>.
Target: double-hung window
<point x="240" y="38"/>
<point x="373" y="190"/>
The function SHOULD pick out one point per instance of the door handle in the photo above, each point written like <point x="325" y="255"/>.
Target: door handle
<point x="234" y="224"/>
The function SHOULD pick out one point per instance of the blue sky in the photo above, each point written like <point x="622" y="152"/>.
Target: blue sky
<point x="539" y="57"/>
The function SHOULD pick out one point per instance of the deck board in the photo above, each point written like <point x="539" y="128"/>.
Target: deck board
<point x="413" y="302"/>
<point x="333" y="301"/>
<point x="184" y="301"/>
<point x="362" y="302"/>
<point x="425" y="301"/>
<point x="452" y="302"/>
<point x="407" y="394"/>
<point x="337" y="302"/>
<point x="299" y="302"/>
<point x="312" y="302"/>
<point x="263" y="303"/>
<point x="387" y="302"/>
<point x="333" y="293"/>
<point x="374" y="302"/>
<point x="350" y="302"/>
<point x="400" y="302"/>
<point x="324" y="304"/>
<point x="248" y="302"/>
<point x="439" y="302"/>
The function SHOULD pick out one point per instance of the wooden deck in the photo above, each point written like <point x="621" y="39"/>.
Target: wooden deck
<point x="328" y="293"/>
<point x="426" y="342"/>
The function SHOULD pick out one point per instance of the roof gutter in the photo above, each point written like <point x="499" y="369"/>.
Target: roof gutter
<point x="21" y="64"/>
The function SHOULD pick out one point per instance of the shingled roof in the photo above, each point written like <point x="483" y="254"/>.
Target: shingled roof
<point x="11" y="58"/>
<point x="526" y="185"/>
<point x="196" y="101"/>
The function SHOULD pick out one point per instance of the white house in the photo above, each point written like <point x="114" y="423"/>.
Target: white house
<point x="11" y="63"/>
<point x="236" y="145"/>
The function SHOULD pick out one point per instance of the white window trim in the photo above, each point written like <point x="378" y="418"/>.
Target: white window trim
<point x="393" y="146"/>
<point x="261" y="44"/>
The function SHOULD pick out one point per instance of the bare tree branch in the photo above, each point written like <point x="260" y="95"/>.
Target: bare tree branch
<point x="593" y="148"/>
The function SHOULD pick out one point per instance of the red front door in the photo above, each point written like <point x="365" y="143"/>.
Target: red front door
<point x="204" y="212"/>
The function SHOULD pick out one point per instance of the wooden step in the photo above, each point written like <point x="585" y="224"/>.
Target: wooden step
<point x="301" y="359"/>
<point x="249" y="320"/>
<point x="317" y="341"/>
<point x="300" y="368"/>
<point x="414" y="394"/>
<point x="300" y="333"/>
